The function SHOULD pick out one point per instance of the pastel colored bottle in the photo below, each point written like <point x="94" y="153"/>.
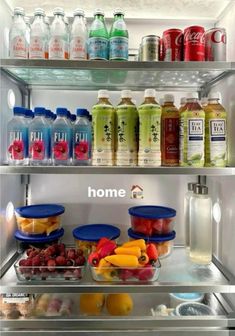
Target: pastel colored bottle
<point x="58" y="43"/>
<point x="78" y="36"/>
<point x="82" y="139"/>
<point x="118" y="38"/>
<point x="18" y="45"/>
<point x="38" y="36"/>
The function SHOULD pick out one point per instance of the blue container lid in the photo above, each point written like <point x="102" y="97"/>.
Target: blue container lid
<point x="94" y="232"/>
<point x="18" y="110"/>
<point x="40" y="238"/>
<point x="40" y="210"/>
<point x="81" y="112"/>
<point x="152" y="212"/>
<point x="153" y="239"/>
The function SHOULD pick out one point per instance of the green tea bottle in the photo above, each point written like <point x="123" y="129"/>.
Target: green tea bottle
<point x="118" y="38"/>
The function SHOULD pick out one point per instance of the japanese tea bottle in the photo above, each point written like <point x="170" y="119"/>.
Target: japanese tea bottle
<point x="58" y="43"/>
<point x="18" y="35"/>
<point x="38" y="36"/>
<point x="118" y="38"/>
<point x="126" y="131"/>
<point x="78" y="36"/>
<point x="103" y="131"/>
<point x="82" y="139"/>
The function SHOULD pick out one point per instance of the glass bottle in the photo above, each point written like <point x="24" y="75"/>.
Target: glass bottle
<point x="78" y="36"/>
<point x="18" y="45"/>
<point x="58" y="43"/>
<point x="118" y="38"/>
<point x="38" y="36"/>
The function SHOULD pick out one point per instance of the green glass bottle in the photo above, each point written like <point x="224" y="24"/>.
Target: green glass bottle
<point x="118" y="38"/>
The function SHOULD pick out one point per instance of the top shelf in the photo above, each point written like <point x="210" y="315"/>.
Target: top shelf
<point x="116" y="75"/>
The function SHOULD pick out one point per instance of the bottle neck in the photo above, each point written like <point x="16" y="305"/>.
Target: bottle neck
<point x="59" y="17"/>
<point x="18" y="17"/>
<point x="104" y="101"/>
<point x="192" y="100"/>
<point x="39" y="17"/>
<point x="150" y="100"/>
<point x="212" y="101"/>
<point x="168" y="104"/>
<point x="99" y="17"/>
<point x="126" y="101"/>
<point x="118" y="17"/>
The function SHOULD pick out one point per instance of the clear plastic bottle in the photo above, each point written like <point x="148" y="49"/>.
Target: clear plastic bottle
<point x="78" y="36"/>
<point x="58" y="43"/>
<point x="17" y="138"/>
<point x="29" y="115"/>
<point x="187" y="196"/>
<point x="98" y="42"/>
<point x="200" y="226"/>
<point x="39" y="143"/>
<point x="38" y="36"/>
<point x="18" y="44"/>
<point x="182" y="104"/>
<point x="61" y="138"/>
<point x="204" y="102"/>
<point x="118" y="38"/>
<point x="82" y="139"/>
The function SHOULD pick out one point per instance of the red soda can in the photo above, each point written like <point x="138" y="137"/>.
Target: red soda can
<point x="215" y="40"/>
<point x="173" y="45"/>
<point x="194" y="43"/>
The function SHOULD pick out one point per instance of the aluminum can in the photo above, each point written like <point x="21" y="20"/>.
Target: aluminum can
<point x="216" y="40"/>
<point x="194" y="43"/>
<point x="150" y="48"/>
<point x="161" y="50"/>
<point x="173" y="45"/>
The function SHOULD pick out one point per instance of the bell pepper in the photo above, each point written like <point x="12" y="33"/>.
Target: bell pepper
<point x="107" y="249"/>
<point x="134" y="250"/>
<point x="109" y="274"/>
<point x="143" y="259"/>
<point x="94" y="259"/>
<point x="138" y="242"/>
<point x="102" y="267"/>
<point x="152" y="253"/>
<point x="101" y="242"/>
<point x="123" y="260"/>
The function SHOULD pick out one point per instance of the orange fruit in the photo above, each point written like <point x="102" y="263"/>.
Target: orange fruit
<point x="92" y="303"/>
<point x="119" y="304"/>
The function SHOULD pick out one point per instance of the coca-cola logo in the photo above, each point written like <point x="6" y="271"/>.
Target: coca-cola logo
<point x="179" y="40"/>
<point x="194" y="36"/>
<point x="218" y="36"/>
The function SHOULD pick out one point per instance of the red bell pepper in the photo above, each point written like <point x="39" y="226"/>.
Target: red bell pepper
<point x="107" y="249"/>
<point x="152" y="253"/>
<point x="94" y="259"/>
<point x="101" y="242"/>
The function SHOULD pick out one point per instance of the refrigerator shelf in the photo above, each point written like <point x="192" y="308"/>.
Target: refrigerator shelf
<point x="178" y="274"/>
<point x="117" y="75"/>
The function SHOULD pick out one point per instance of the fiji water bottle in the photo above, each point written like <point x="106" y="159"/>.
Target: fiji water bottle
<point x="78" y="36"/>
<point x="17" y="145"/>
<point x="38" y="36"/>
<point x="118" y="40"/>
<point x="39" y="138"/>
<point x="58" y="43"/>
<point x="82" y="139"/>
<point x="98" y="41"/>
<point x="61" y="138"/>
<point x="18" y="35"/>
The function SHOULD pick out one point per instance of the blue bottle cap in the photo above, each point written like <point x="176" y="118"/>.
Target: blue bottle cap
<point x="40" y="238"/>
<point x="18" y="110"/>
<point x="53" y="116"/>
<point x="81" y="112"/>
<point x="154" y="239"/>
<point x="39" y="111"/>
<point x="73" y="117"/>
<point x="94" y="232"/>
<point x="152" y="212"/>
<point x="40" y="210"/>
<point x="61" y="112"/>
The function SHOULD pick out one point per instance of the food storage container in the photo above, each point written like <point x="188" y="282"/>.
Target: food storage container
<point x="87" y="236"/>
<point x="16" y="305"/>
<point x="39" y="219"/>
<point x="193" y="309"/>
<point x="152" y="220"/>
<point x="123" y="274"/>
<point x="178" y="298"/>
<point x="164" y="243"/>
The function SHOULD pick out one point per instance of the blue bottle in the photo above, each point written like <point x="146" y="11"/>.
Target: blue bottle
<point x="17" y="144"/>
<point x="61" y="138"/>
<point x="82" y="139"/>
<point x="39" y="141"/>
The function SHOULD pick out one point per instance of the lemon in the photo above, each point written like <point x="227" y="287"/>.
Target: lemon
<point x="119" y="304"/>
<point x="91" y="303"/>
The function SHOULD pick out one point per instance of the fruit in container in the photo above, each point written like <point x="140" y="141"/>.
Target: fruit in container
<point x="92" y="303"/>
<point x="120" y="304"/>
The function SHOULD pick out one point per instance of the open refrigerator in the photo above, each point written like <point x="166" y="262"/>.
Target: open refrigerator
<point x="72" y="84"/>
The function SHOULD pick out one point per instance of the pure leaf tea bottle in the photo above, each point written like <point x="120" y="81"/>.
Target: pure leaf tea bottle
<point x="149" y="131"/>
<point x="127" y="131"/>
<point x="103" y="128"/>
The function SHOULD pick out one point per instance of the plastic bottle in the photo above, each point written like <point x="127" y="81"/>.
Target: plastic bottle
<point x="200" y="226"/>
<point x="216" y="132"/>
<point x="103" y="130"/>
<point x="78" y="36"/>
<point x="61" y="138"/>
<point x="39" y="143"/>
<point x="98" y="42"/>
<point x="204" y="102"/>
<point x="182" y="104"/>
<point x="29" y="115"/>
<point x="192" y="133"/>
<point x="17" y="138"/>
<point x="38" y="36"/>
<point x="149" y="130"/>
<point x="82" y="139"/>
<point x="18" y="45"/>
<point x="58" y="44"/>
<point x="169" y="132"/>
<point x="127" y="131"/>
<point x="118" y="38"/>
<point x="187" y="196"/>
<point x="73" y="118"/>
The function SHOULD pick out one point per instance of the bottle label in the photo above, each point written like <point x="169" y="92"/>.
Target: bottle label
<point x="118" y="48"/>
<point x="77" y="48"/>
<point x="37" y="47"/>
<point x="82" y="144"/>
<point x="149" y="135"/>
<point x="218" y="148"/>
<point x="18" y="47"/>
<point x="17" y="148"/>
<point x="38" y="148"/>
<point x="58" y="48"/>
<point x="170" y="140"/>
<point x="16" y="298"/>
<point x="98" y="48"/>
<point x="61" y="145"/>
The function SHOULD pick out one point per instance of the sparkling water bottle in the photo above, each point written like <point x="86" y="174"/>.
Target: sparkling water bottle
<point x="118" y="40"/>
<point x="58" y="44"/>
<point x="78" y="36"/>
<point x="38" y="36"/>
<point x="18" y="35"/>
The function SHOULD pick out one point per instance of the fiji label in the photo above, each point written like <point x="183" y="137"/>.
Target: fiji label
<point x="98" y="48"/>
<point x="118" y="48"/>
<point x="16" y="298"/>
<point x="77" y="48"/>
<point x="61" y="147"/>
<point x="37" y="47"/>
<point x="17" y="148"/>
<point x="38" y="148"/>
<point x="58" y="48"/>
<point x="18" y="47"/>
<point x="170" y="140"/>
<point x="216" y="148"/>
<point x="82" y="144"/>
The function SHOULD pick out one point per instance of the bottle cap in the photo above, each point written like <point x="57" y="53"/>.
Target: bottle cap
<point x="183" y="101"/>
<point x="200" y="189"/>
<point x="126" y="94"/>
<point x="192" y="95"/>
<point x="58" y="11"/>
<point x="19" y="10"/>
<point x="62" y="112"/>
<point x="150" y="93"/>
<point x="103" y="94"/>
<point x="29" y="113"/>
<point x="81" y="112"/>
<point x="47" y="20"/>
<point x="27" y="19"/>
<point x="99" y="11"/>
<point x="53" y="116"/>
<point x="118" y="11"/>
<point x="79" y="12"/>
<point x="169" y="98"/>
<point x="214" y="95"/>
<point x="18" y="110"/>
<point x="39" y="111"/>
<point x="39" y="11"/>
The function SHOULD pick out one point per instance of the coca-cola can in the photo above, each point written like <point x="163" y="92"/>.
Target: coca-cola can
<point x="150" y="48"/>
<point x="194" y="43"/>
<point x="216" y="41"/>
<point x="173" y="45"/>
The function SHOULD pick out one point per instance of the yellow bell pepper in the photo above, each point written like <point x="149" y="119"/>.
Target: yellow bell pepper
<point x="123" y="260"/>
<point x="102" y="267"/>
<point x="138" y="242"/>
<point x="143" y="259"/>
<point x="135" y="250"/>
